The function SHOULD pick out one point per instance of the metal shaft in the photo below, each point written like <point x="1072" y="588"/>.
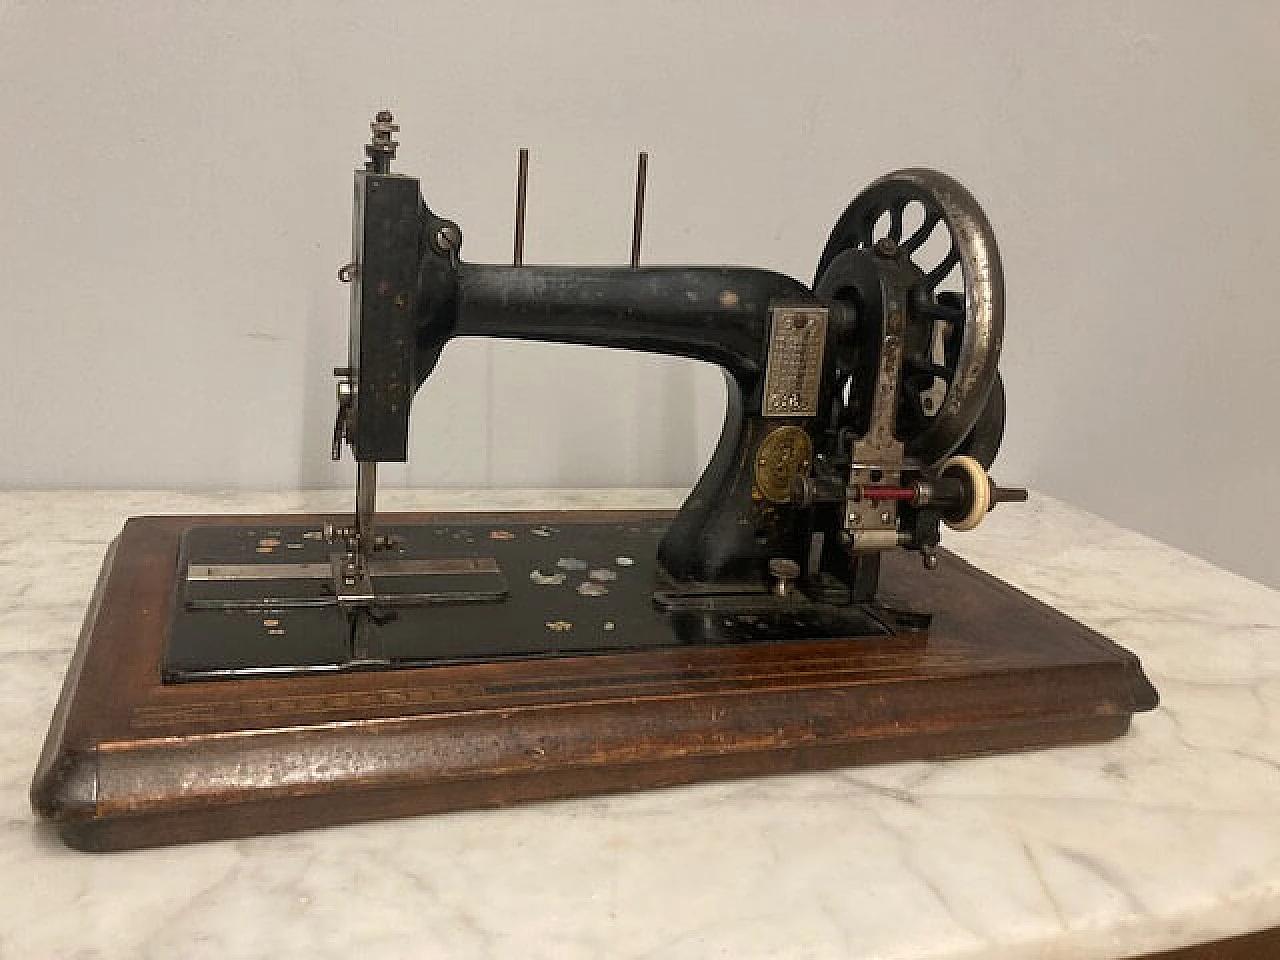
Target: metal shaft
<point x="522" y="189"/>
<point x="366" y="497"/>
<point x="637" y="221"/>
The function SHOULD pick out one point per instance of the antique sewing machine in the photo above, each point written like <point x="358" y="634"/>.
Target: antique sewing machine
<point x="240" y="675"/>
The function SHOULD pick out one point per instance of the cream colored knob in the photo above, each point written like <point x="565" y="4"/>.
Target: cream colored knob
<point x="979" y="483"/>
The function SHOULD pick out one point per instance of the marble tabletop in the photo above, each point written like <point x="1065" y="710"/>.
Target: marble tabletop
<point x="1167" y="836"/>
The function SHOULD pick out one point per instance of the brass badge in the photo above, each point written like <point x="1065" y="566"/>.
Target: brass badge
<point x="784" y="455"/>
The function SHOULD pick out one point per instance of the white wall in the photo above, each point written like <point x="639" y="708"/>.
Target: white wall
<point x="176" y="198"/>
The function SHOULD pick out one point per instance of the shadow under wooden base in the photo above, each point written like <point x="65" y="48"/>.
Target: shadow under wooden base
<point x="131" y="761"/>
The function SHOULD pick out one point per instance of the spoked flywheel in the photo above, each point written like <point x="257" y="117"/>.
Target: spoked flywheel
<point x="951" y="399"/>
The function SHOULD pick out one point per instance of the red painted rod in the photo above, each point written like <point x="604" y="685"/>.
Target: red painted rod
<point x="875" y="494"/>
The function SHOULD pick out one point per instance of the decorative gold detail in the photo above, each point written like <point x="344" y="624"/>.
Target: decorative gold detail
<point x="783" y="456"/>
<point x="559" y="626"/>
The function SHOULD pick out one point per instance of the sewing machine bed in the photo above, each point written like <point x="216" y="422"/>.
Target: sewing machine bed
<point x="479" y="592"/>
<point x="549" y="693"/>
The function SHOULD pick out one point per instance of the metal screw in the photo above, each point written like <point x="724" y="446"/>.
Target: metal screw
<point x="784" y="571"/>
<point x="381" y="149"/>
<point x="884" y="517"/>
<point x="886" y="247"/>
<point x="448" y="238"/>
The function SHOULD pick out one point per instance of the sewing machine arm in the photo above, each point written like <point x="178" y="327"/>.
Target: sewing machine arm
<point x="815" y="472"/>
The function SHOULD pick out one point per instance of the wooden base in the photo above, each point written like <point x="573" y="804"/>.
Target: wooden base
<point x="131" y="761"/>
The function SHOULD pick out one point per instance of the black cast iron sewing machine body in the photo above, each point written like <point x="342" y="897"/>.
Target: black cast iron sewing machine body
<point x="861" y="414"/>
<point x="846" y="402"/>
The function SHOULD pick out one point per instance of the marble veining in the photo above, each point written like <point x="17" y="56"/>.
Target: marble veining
<point x="1166" y="836"/>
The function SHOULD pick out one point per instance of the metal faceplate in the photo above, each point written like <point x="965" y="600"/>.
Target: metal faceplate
<point x="386" y="230"/>
<point x="877" y="457"/>
<point x="793" y="373"/>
